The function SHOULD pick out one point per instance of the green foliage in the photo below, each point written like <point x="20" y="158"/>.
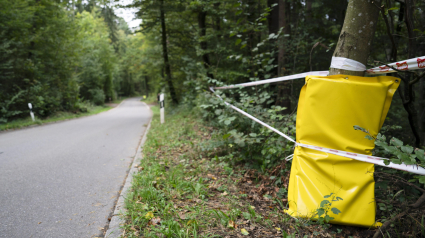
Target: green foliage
<point x="56" y="57"/>
<point x="324" y="211"/>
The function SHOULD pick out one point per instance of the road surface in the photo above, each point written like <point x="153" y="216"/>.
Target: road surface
<point x="63" y="179"/>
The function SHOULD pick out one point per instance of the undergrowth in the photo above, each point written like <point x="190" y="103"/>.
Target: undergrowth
<point x="182" y="190"/>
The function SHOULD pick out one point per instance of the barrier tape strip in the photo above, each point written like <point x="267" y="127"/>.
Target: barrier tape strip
<point x="253" y="118"/>
<point x="360" y="157"/>
<point x="274" y="80"/>
<point x="410" y="64"/>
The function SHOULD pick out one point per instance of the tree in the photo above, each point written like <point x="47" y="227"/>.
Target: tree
<point x="355" y="39"/>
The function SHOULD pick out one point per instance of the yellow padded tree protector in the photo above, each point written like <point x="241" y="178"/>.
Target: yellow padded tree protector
<point x="328" y="108"/>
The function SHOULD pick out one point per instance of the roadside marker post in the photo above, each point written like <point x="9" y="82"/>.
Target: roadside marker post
<point x="161" y="106"/>
<point x="31" y="113"/>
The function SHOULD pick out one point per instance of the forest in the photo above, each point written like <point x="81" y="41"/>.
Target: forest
<point x="63" y="55"/>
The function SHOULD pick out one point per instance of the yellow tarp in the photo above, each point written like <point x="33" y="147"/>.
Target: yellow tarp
<point x="328" y="108"/>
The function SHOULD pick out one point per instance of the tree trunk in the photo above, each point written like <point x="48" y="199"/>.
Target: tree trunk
<point x="409" y="96"/>
<point x="165" y="55"/>
<point x="357" y="33"/>
<point x="202" y="32"/>
<point x="284" y="89"/>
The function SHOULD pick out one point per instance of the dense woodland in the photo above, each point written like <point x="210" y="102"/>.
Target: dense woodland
<point x="59" y="55"/>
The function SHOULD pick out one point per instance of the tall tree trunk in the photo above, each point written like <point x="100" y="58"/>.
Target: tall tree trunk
<point x="165" y="55"/>
<point x="284" y="89"/>
<point x="202" y="32"/>
<point x="421" y="90"/>
<point x="409" y="96"/>
<point x="357" y="33"/>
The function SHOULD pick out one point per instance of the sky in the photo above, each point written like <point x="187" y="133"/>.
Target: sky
<point x="128" y="14"/>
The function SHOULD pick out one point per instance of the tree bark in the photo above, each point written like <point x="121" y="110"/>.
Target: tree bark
<point x="202" y="15"/>
<point x="284" y="89"/>
<point x="168" y="77"/>
<point x="355" y="39"/>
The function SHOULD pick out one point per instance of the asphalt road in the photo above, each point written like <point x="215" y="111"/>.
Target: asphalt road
<point x="63" y="179"/>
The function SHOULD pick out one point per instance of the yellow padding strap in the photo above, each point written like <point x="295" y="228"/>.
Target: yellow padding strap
<point x="328" y="108"/>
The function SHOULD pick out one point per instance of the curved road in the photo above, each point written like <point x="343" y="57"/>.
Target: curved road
<point x="63" y="179"/>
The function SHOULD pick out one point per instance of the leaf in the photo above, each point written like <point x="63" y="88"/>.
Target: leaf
<point x="422" y="179"/>
<point x="231" y="224"/>
<point x="393" y="8"/>
<point x="328" y="196"/>
<point x="358" y="128"/>
<point x="149" y="215"/>
<point x="369" y="137"/>
<point x="396" y="142"/>
<point x="238" y="41"/>
<point x="246" y="215"/>
<point x="328" y="218"/>
<point x="226" y="136"/>
<point x="420" y="154"/>
<point x="407" y="149"/>
<point x="182" y="215"/>
<point x="335" y="210"/>
<point x="244" y="232"/>
<point x="320" y="212"/>
<point x="155" y="221"/>
<point x="324" y="203"/>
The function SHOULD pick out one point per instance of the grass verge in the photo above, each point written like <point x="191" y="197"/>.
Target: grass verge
<point x="58" y="116"/>
<point x="181" y="191"/>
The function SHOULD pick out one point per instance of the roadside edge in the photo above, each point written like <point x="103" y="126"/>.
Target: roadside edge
<point x="114" y="230"/>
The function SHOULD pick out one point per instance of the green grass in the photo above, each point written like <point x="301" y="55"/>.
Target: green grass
<point x="181" y="191"/>
<point x="58" y="116"/>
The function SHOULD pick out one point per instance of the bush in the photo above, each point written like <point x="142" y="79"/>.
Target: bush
<point x="97" y="96"/>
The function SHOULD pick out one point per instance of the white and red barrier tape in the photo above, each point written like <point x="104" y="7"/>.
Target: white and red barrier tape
<point x="404" y="65"/>
<point x="341" y="63"/>
<point x="410" y="64"/>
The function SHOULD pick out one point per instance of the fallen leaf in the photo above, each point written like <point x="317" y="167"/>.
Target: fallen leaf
<point x="149" y="215"/>
<point x="197" y="200"/>
<point x="231" y="224"/>
<point x="155" y="221"/>
<point x="277" y="228"/>
<point x="244" y="232"/>
<point x="182" y="216"/>
<point x="224" y="194"/>
<point x="39" y="223"/>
